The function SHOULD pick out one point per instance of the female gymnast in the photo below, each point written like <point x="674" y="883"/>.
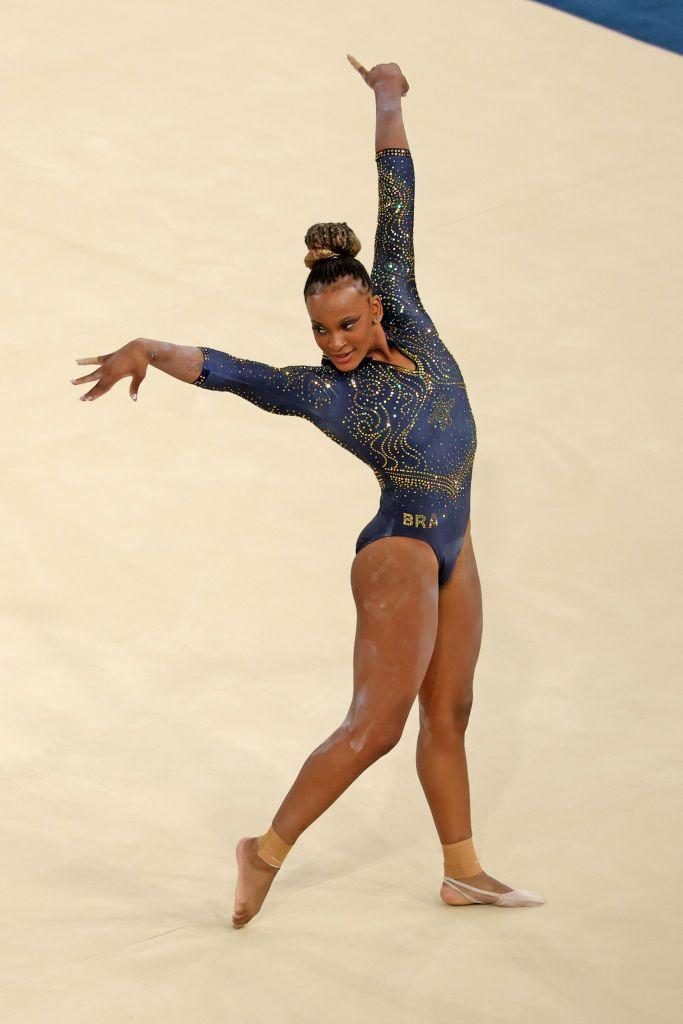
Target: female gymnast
<point x="388" y="390"/>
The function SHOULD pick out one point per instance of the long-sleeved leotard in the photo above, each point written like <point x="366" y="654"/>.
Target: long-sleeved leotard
<point x="413" y="427"/>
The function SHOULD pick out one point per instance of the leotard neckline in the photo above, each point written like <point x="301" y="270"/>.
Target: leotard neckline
<point x="404" y="351"/>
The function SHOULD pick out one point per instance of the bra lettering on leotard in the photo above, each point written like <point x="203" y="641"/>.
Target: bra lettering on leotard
<point x="419" y="519"/>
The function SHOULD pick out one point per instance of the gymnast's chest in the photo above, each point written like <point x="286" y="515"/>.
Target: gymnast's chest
<point x="386" y="401"/>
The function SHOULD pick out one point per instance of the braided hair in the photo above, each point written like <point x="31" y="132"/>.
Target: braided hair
<point x="331" y="256"/>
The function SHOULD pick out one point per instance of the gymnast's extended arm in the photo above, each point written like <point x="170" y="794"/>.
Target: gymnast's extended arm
<point x="286" y="390"/>
<point x="393" y="269"/>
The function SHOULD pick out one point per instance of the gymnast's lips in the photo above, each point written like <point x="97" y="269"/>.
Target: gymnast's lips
<point x="343" y="356"/>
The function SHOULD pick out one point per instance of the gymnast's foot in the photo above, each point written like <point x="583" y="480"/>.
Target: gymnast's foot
<point x="482" y="888"/>
<point x="254" y="879"/>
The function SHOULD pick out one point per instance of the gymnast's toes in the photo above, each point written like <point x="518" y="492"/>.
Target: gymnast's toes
<point x="254" y="879"/>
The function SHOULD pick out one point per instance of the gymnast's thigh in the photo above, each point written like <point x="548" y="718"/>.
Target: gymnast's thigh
<point x="448" y="684"/>
<point x="395" y="588"/>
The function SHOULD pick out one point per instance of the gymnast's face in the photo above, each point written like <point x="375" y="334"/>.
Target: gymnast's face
<point x="346" y="323"/>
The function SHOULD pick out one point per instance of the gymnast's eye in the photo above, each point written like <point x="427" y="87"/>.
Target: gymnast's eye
<point x="320" y="330"/>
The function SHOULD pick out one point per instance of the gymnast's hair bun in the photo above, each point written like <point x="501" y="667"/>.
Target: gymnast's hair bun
<point x="328" y="241"/>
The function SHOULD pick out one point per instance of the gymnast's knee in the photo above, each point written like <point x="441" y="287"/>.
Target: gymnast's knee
<point x="440" y="725"/>
<point x="373" y="739"/>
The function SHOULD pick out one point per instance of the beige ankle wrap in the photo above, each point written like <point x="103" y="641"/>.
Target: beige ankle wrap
<point x="460" y="859"/>
<point x="272" y="848"/>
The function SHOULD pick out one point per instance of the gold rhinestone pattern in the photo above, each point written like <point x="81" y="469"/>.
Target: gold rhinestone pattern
<point x="413" y="427"/>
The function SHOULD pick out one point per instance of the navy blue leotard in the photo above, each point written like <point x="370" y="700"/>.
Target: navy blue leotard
<point x="413" y="427"/>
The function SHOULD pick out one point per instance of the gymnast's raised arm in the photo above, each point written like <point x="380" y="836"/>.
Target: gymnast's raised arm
<point x="393" y="270"/>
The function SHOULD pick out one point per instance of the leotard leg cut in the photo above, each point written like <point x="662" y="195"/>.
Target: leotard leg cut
<point x="413" y="427"/>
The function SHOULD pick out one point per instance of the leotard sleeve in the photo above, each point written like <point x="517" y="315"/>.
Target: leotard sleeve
<point x="393" y="270"/>
<point x="285" y="390"/>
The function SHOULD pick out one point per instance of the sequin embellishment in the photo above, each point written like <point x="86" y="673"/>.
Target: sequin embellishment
<point x="414" y="428"/>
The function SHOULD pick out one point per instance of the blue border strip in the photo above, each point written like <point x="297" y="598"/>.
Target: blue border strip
<point x="659" y="22"/>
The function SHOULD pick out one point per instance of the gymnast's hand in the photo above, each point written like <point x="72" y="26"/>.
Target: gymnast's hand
<point x="130" y="361"/>
<point x="383" y="77"/>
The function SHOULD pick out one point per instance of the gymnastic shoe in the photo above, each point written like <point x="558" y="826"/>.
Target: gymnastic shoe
<point x="514" y="898"/>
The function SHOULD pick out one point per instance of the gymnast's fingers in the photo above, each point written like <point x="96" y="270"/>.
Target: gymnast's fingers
<point x="100" y="388"/>
<point x="359" y="67"/>
<point x="95" y="375"/>
<point x="87" y="360"/>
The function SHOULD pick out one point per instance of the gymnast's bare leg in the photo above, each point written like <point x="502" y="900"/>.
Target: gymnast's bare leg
<point x="445" y="701"/>
<point x="394" y="581"/>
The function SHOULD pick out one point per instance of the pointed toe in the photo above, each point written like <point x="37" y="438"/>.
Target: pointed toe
<point x="520" y="898"/>
<point x="514" y="898"/>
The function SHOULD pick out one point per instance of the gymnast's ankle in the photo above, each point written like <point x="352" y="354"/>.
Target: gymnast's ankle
<point x="460" y="859"/>
<point x="272" y="848"/>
